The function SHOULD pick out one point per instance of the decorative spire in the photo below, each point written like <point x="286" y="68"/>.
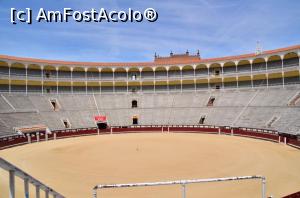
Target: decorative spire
<point x="155" y="55"/>
<point x="171" y="54"/>
<point x="258" y="50"/>
<point x="198" y="53"/>
<point x="187" y="52"/>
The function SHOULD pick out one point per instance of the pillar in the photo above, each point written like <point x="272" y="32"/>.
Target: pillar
<point x="181" y="80"/>
<point x="29" y="138"/>
<point x="71" y="70"/>
<point x="47" y="193"/>
<point x="267" y="74"/>
<point x="46" y="136"/>
<point x="113" y="71"/>
<point x="56" y="80"/>
<point x="26" y="187"/>
<point x="42" y="75"/>
<point x="11" y="184"/>
<point x="86" y="81"/>
<point x="195" y="85"/>
<point x="282" y="73"/>
<point x="37" y="137"/>
<point x="26" y="78"/>
<point x="251" y="70"/>
<point x="54" y="136"/>
<point x="9" y="79"/>
<point x="208" y="86"/>
<point x="37" y="191"/>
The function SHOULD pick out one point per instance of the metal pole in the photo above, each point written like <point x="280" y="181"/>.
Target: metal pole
<point x="263" y="180"/>
<point x="37" y="191"/>
<point x="95" y="193"/>
<point x="26" y="188"/>
<point x="11" y="184"/>
<point x="183" y="191"/>
<point x="47" y="194"/>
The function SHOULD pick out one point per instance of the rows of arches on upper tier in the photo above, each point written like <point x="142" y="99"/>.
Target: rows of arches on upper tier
<point x="259" y="62"/>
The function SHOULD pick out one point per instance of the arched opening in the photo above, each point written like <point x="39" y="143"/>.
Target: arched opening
<point x="64" y="72"/>
<point x="93" y="73"/>
<point x="174" y="72"/>
<point x="78" y="73"/>
<point x="259" y="64"/>
<point x="274" y="62"/>
<point x="229" y="67"/>
<point x="107" y="74"/>
<point x="147" y="73"/>
<point x="160" y="73"/>
<point x="135" y="120"/>
<point x="120" y="74"/>
<point x="290" y="59"/>
<point x="134" y="104"/>
<point x="201" y="70"/>
<point x="243" y="66"/>
<point x="187" y="70"/>
<point x="134" y="74"/>
<point x="4" y="70"/>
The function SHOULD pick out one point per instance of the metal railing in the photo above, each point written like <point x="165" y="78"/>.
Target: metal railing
<point x="15" y="171"/>
<point x="183" y="184"/>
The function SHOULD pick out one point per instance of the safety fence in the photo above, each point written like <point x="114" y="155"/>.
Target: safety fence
<point x="264" y="134"/>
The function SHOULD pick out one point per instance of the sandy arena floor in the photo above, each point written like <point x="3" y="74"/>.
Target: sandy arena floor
<point x="74" y="166"/>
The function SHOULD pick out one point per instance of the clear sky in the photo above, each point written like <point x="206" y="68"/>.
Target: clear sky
<point x="215" y="27"/>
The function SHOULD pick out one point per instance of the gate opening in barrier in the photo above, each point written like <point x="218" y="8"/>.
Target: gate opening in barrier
<point x="182" y="184"/>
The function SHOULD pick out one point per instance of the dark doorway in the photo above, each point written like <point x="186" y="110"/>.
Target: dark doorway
<point x="134" y="104"/>
<point x="135" y="120"/>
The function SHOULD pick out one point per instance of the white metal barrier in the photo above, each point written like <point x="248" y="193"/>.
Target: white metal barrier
<point x="183" y="184"/>
<point x="15" y="171"/>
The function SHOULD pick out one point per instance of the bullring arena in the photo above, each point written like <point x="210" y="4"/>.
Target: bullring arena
<point x="66" y="127"/>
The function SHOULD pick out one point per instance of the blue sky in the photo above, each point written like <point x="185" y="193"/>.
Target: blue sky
<point x="215" y="27"/>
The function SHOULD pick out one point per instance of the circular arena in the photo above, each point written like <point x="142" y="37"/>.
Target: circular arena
<point x="66" y="127"/>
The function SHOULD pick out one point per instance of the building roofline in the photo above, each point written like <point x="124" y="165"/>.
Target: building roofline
<point x="136" y="64"/>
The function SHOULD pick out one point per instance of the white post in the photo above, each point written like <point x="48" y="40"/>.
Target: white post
<point x="46" y="136"/>
<point x="282" y="73"/>
<point x="267" y="74"/>
<point x="26" y="187"/>
<point x="56" y="80"/>
<point x="54" y="136"/>
<point x="9" y="80"/>
<point x="154" y="80"/>
<point x="168" y="129"/>
<point x="263" y="181"/>
<point x="11" y="184"/>
<point x="98" y="131"/>
<point x="168" y="86"/>
<point x="37" y="191"/>
<point x="278" y="139"/>
<point x="162" y="129"/>
<point x="195" y="85"/>
<point x="42" y="76"/>
<point x="111" y="130"/>
<point x="251" y="74"/>
<point x="219" y="131"/>
<point x="284" y="140"/>
<point x="231" y="131"/>
<point x="29" y="138"/>
<point x="72" y="88"/>
<point x="113" y="71"/>
<point x="181" y="80"/>
<point x="26" y="78"/>
<point x="183" y="191"/>
<point x="37" y="136"/>
<point x="86" y="81"/>
<point x="47" y="193"/>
